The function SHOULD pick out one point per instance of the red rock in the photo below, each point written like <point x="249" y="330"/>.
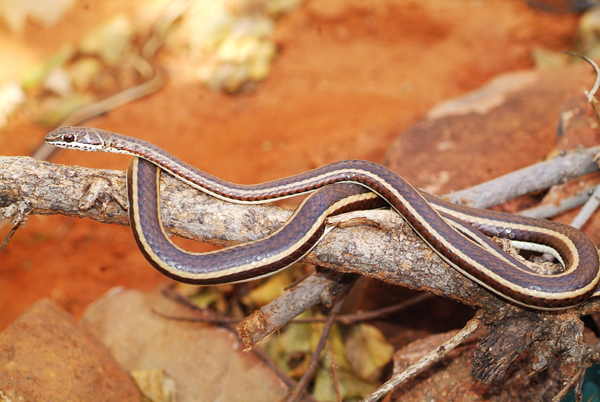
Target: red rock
<point x="46" y="356"/>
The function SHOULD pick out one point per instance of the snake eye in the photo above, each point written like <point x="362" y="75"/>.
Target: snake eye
<point x="69" y="138"/>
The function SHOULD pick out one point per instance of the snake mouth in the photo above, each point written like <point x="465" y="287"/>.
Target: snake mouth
<point x="77" y="146"/>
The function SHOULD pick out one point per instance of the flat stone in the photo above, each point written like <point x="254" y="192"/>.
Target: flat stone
<point x="206" y="362"/>
<point x="46" y="356"/>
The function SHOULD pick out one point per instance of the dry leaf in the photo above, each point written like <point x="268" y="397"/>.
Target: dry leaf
<point x="155" y="385"/>
<point x="270" y="290"/>
<point x="368" y="351"/>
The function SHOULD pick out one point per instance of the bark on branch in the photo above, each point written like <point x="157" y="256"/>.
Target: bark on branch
<point x="377" y="244"/>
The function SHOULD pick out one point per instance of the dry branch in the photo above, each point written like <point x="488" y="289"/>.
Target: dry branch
<point x="385" y="249"/>
<point x="321" y="287"/>
<point x="533" y="178"/>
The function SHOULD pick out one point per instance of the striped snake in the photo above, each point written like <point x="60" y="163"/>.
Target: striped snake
<point x="458" y="234"/>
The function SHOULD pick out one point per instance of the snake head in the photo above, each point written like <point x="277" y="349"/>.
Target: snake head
<point x="82" y="138"/>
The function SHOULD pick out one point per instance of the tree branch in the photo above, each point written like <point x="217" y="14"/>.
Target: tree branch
<point x="376" y="244"/>
<point x="559" y="170"/>
<point x="379" y="244"/>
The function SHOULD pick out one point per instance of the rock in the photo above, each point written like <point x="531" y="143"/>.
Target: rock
<point x="205" y="361"/>
<point x="45" y="356"/>
<point x="504" y="126"/>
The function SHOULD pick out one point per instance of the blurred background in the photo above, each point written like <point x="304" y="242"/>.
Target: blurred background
<point x="249" y="91"/>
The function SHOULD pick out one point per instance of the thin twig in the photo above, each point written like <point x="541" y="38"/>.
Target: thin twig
<point x="308" y="374"/>
<point x="472" y="326"/>
<point x="343" y="318"/>
<point x="594" y="89"/>
<point x="587" y="210"/>
<point x="548" y="210"/>
<point x="577" y="378"/>
<point x="321" y="287"/>
<point x="591" y="96"/>
<point x="530" y="179"/>
<point x="334" y="375"/>
<point x="373" y="314"/>
<point x="8" y="236"/>
<point x="211" y="319"/>
<point x="592" y="204"/>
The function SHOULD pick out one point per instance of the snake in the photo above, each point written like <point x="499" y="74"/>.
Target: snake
<point x="457" y="233"/>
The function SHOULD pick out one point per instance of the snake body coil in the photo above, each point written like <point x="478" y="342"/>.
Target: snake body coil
<point x="447" y="228"/>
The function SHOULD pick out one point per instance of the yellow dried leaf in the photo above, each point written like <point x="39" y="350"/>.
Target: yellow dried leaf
<point x="206" y="297"/>
<point x="292" y="342"/>
<point x="83" y="71"/>
<point x="368" y="351"/>
<point x="349" y="384"/>
<point x="268" y="291"/>
<point x="155" y="385"/>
